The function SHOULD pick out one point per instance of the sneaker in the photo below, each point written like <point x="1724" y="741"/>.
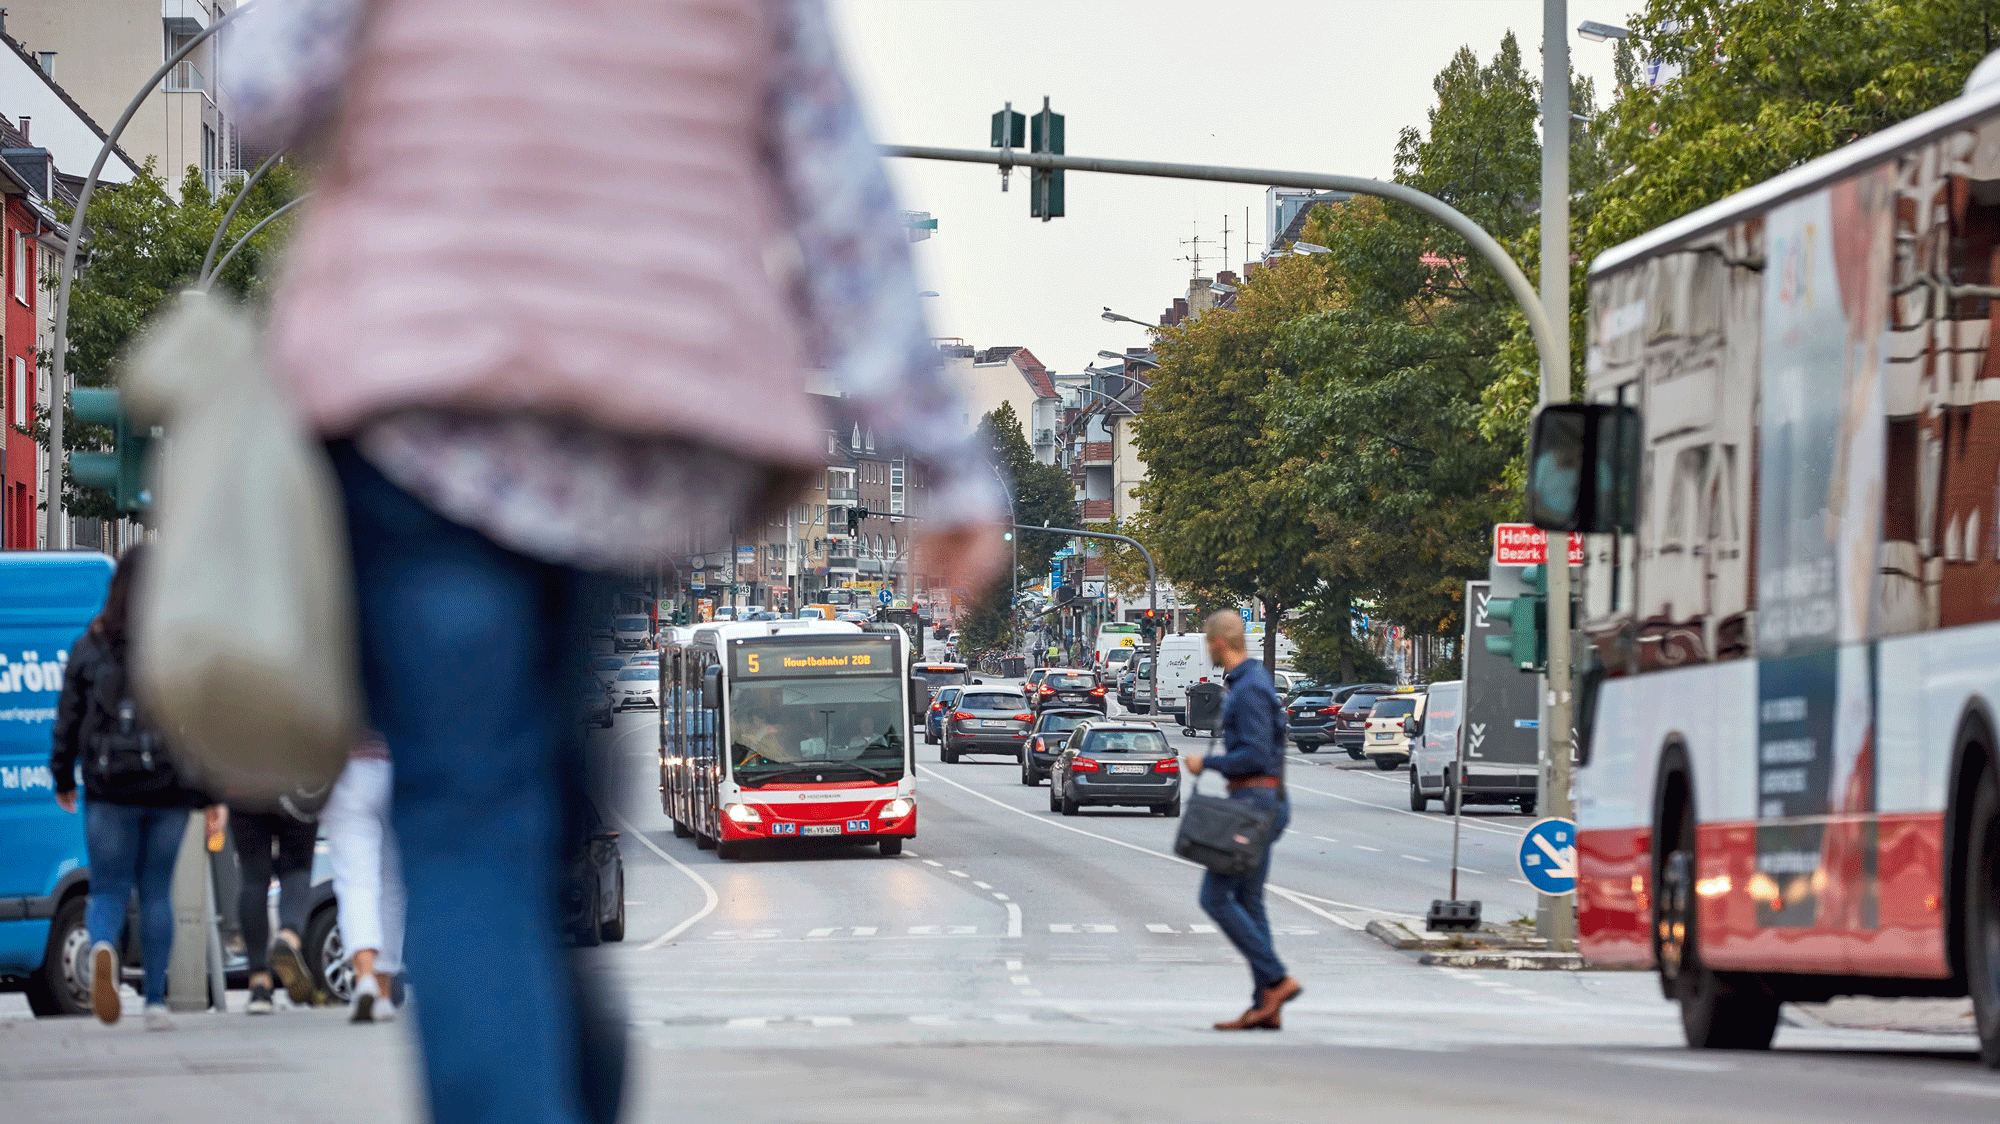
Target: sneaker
<point x="290" y="968"/>
<point x="361" y="1008"/>
<point x="157" y="1017"/>
<point x="385" y="1010"/>
<point x="260" y="1000"/>
<point x="104" y="999"/>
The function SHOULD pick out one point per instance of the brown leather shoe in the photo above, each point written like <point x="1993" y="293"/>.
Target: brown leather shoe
<point x="1275" y="998"/>
<point x="1248" y="1020"/>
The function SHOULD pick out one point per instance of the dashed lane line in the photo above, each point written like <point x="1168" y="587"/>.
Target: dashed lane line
<point x="711" y="898"/>
<point x="1290" y="895"/>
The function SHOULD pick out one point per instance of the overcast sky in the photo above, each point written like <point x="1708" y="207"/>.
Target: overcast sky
<point x="1318" y="85"/>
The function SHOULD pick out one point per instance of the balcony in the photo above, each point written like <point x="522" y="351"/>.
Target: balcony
<point x="839" y="561"/>
<point x="1096" y="452"/>
<point x="1097" y="509"/>
<point x="843" y="495"/>
<point x="186" y="78"/>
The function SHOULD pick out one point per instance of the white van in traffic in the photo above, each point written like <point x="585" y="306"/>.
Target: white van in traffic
<point x="1181" y="662"/>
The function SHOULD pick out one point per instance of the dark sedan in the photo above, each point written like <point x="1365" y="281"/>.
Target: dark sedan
<point x="985" y="720"/>
<point x="1046" y="739"/>
<point x="1111" y="762"/>
<point x="1068" y="687"/>
<point x="940" y="709"/>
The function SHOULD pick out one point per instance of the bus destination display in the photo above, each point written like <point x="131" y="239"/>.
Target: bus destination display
<point x="766" y="659"/>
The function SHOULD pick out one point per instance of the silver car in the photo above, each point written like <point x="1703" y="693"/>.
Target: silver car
<point x="986" y="720"/>
<point x="637" y="687"/>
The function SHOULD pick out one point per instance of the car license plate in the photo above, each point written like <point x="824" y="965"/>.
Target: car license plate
<point x="1383" y="737"/>
<point x="1128" y="768"/>
<point x="820" y="829"/>
<point x="784" y="829"/>
<point x="996" y="723"/>
<point x="857" y="825"/>
<point x="1072" y="698"/>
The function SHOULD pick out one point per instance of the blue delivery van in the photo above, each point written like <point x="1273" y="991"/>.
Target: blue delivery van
<point x="47" y="598"/>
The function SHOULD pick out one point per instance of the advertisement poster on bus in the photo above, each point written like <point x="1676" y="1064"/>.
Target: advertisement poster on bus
<point x="1820" y="452"/>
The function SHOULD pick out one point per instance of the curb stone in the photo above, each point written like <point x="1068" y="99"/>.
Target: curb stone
<point x="1529" y="961"/>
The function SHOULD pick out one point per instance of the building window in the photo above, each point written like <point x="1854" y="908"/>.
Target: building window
<point x="20" y="392"/>
<point x="21" y="268"/>
<point x="819" y="514"/>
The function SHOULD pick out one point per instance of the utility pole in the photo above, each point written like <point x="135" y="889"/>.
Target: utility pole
<point x="1555" y="916"/>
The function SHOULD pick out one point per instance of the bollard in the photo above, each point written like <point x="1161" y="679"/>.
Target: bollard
<point x="194" y="919"/>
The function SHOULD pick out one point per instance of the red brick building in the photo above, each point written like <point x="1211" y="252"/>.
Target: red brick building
<point x="20" y="225"/>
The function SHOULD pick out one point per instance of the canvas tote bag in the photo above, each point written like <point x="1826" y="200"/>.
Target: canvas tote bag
<point x="245" y="629"/>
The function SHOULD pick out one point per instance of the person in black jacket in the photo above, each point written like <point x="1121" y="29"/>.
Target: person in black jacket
<point x="135" y="805"/>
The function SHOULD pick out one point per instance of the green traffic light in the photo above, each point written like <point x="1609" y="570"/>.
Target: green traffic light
<point x="1007" y="536"/>
<point x="122" y="471"/>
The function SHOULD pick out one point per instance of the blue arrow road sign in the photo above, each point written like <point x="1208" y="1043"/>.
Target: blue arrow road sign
<point x="1548" y="856"/>
<point x="884" y="596"/>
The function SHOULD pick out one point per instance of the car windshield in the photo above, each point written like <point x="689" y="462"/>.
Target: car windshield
<point x="1142" y="742"/>
<point x="1394" y="708"/>
<point x="1070" y="682"/>
<point x="1060" y="723"/>
<point x="633" y="624"/>
<point x="843" y="729"/>
<point x="608" y="663"/>
<point x="989" y="700"/>
<point x="947" y="695"/>
<point x="938" y="676"/>
<point x="638" y="675"/>
<point x="1312" y="698"/>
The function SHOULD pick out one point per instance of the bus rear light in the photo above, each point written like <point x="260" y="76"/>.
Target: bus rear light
<point x="1083" y="765"/>
<point x="742" y="813"/>
<point x="1170" y="765"/>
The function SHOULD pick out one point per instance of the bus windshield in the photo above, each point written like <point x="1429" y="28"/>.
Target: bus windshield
<point x="835" y="729"/>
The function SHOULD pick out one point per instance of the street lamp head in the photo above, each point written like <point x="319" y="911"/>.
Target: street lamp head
<point x="1599" y="32"/>
<point x="1304" y="249"/>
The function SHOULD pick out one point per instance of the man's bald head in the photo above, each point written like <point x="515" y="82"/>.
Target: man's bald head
<point x="1225" y="628"/>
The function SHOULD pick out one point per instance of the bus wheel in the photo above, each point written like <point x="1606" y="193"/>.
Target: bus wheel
<point x="681" y="830"/>
<point x="1719" y="1010"/>
<point x="704" y="842"/>
<point x="728" y="849"/>
<point x="892" y="846"/>
<point x="1982" y="916"/>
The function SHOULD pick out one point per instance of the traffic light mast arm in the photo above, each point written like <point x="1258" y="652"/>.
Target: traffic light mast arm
<point x="1152" y="574"/>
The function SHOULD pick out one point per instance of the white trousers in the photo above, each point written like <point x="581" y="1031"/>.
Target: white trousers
<point x="367" y="871"/>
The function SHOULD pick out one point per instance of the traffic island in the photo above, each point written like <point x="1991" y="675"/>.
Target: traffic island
<point x="1490" y="946"/>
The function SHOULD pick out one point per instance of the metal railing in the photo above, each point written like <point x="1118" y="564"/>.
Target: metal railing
<point x="186" y="78"/>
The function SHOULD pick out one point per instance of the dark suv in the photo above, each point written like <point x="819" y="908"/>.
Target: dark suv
<point x="1309" y="718"/>
<point x="1046" y="738"/>
<point x="985" y="720"/>
<point x="1349" y="727"/>
<point x="1068" y="686"/>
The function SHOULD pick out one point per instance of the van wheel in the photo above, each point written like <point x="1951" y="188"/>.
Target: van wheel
<point x="1418" y="801"/>
<point x="1982" y="916"/>
<point x="58" y="987"/>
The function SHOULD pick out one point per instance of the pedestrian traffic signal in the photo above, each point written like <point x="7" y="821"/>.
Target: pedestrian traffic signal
<point x="1526" y="645"/>
<point x="1045" y="189"/>
<point x="122" y="471"/>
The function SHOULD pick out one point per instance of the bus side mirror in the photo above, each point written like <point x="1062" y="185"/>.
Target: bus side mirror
<point x="711" y="689"/>
<point x="1583" y="468"/>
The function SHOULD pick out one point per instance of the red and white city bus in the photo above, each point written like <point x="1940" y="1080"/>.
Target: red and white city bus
<point x="786" y="730"/>
<point x="1788" y="783"/>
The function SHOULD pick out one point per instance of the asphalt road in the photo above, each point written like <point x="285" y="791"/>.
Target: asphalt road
<point x="1076" y="942"/>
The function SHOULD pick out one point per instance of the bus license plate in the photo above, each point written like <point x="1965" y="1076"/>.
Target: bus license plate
<point x="857" y="825"/>
<point x="820" y="829"/>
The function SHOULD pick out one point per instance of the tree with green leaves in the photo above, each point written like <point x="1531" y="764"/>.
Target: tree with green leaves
<point x="143" y="247"/>
<point x="1042" y="493"/>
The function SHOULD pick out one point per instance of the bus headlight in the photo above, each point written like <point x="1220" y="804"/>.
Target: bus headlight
<point x="742" y="813"/>
<point x="898" y="808"/>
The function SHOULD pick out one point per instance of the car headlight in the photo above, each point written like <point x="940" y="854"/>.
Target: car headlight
<point x="898" y="808"/>
<point x="742" y="813"/>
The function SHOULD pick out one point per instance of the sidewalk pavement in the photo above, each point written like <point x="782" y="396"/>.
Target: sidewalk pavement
<point x="299" y="1066"/>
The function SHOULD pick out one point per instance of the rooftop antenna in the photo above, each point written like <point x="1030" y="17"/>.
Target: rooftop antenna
<point x="1225" y="240"/>
<point x="1196" y="242"/>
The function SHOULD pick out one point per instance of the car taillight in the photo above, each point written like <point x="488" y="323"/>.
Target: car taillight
<point x="1083" y="765"/>
<point x="937" y="706"/>
<point x="1098" y="691"/>
<point x="1024" y="718"/>
<point x="1329" y="710"/>
<point x="1048" y="690"/>
<point x="1170" y="765"/>
<point x="960" y="716"/>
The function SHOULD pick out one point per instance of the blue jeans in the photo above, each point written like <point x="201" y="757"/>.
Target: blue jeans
<point x="1237" y="902"/>
<point x="134" y="847"/>
<point x="469" y="655"/>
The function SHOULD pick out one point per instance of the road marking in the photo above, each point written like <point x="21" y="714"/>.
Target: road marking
<point x="1299" y="901"/>
<point x="943" y="930"/>
<point x="1199" y="929"/>
<point x="1964" y="1088"/>
<point x="1469" y="870"/>
<point x="710" y="898"/>
<point x="983" y="885"/>
<point x="959" y="874"/>
<point x="1031" y="993"/>
<point x="1326" y="839"/>
<point x="1685" y="1065"/>
<point x="1135" y="847"/>
<point x="1158" y="928"/>
<point x="864" y="930"/>
<point x="1521" y="881"/>
<point x="1363" y="847"/>
<point x="1415" y="859"/>
<point x="931" y="1020"/>
<point x="821" y="932"/>
<point x="933" y="862"/>
<point x="829" y="1020"/>
<point x="1013" y="921"/>
<point x="1087" y="927"/>
<point x="1000" y="897"/>
<point x="1019" y="981"/>
<point x="1427" y="818"/>
<point x="1013" y="965"/>
<point x="756" y="1023"/>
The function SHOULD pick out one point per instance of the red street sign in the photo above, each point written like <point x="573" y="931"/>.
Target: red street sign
<point x="1524" y="544"/>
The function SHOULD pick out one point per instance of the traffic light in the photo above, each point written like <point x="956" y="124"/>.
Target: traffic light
<point x="854" y="517"/>
<point x="1045" y="188"/>
<point x="1006" y="536"/>
<point x="1527" y="644"/>
<point x="122" y="471"/>
<point x="1149" y="623"/>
